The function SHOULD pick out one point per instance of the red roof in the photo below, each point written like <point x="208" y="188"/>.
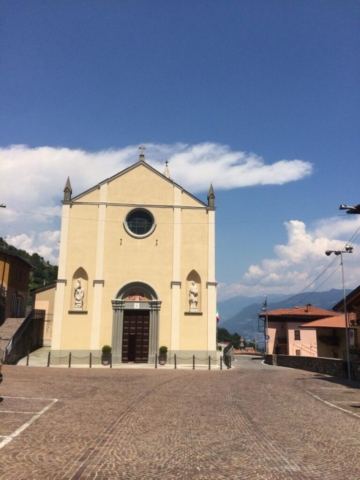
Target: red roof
<point x="337" y="321"/>
<point x="300" y="311"/>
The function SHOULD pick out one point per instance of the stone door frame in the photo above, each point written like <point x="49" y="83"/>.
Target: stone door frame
<point x="119" y="305"/>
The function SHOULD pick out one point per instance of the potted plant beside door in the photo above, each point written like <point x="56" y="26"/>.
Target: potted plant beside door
<point x="163" y="355"/>
<point x="106" y="354"/>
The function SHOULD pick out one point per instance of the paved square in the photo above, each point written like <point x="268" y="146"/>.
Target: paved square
<point x="253" y="422"/>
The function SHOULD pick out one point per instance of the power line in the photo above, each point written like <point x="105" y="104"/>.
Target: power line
<point x="352" y="239"/>
<point x="241" y="222"/>
<point x="321" y="284"/>
<point x="317" y="278"/>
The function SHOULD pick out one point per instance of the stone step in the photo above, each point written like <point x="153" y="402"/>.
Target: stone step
<point x="8" y="329"/>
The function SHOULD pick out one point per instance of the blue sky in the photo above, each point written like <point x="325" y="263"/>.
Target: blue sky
<point x="260" y="97"/>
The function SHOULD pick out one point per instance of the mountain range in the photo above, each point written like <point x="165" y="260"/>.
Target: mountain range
<point x="240" y="314"/>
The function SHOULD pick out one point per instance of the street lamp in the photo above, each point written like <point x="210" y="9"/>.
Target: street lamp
<point x="347" y="249"/>
<point x="265" y="307"/>
<point x="351" y="210"/>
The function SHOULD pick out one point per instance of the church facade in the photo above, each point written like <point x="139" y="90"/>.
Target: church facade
<point x="136" y="269"/>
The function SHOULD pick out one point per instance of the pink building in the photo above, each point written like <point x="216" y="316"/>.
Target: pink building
<point x="331" y="335"/>
<point x="288" y="335"/>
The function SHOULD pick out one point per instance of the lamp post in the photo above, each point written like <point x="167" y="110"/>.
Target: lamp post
<point x="347" y="249"/>
<point x="266" y="324"/>
<point x="351" y="210"/>
<point x="254" y="318"/>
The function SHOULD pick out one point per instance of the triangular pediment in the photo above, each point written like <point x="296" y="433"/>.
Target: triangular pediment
<point x="149" y="179"/>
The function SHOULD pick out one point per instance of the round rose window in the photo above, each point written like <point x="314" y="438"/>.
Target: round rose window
<point x="139" y="223"/>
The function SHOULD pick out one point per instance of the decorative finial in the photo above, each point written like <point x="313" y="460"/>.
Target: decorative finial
<point x="166" y="171"/>
<point x="67" y="190"/>
<point x="211" y="197"/>
<point x="142" y="155"/>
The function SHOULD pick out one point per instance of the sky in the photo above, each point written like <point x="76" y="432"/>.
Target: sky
<point x="258" y="97"/>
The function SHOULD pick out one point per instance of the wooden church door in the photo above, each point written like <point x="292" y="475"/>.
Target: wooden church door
<point x="135" y="347"/>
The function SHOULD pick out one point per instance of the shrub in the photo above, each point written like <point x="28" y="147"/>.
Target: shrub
<point x="106" y="349"/>
<point x="163" y="350"/>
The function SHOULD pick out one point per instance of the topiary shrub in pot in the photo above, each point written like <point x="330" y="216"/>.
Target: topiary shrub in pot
<point x="163" y="355"/>
<point x="106" y="354"/>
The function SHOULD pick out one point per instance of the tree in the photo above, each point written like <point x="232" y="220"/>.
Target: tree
<point x="224" y="336"/>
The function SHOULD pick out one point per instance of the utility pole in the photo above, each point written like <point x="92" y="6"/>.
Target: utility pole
<point x="347" y="249"/>
<point x="255" y="332"/>
<point x="265" y="308"/>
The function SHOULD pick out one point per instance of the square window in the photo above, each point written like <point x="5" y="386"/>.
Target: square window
<point x="298" y="353"/>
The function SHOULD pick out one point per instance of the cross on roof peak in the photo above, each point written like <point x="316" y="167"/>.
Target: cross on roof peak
<point x="166" y="171"/>
<point x="142" y="155"/>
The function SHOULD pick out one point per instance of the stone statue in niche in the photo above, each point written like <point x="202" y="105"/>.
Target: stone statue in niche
<point x="193" y="297"/>
<point x="79" y="295"/>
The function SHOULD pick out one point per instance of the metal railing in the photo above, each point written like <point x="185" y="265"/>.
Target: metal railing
<point x="70" y="360"/>
<point x="27" y="338"/>
<point x="193" y="362"/>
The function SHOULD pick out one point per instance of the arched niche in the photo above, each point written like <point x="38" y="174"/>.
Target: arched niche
<point x="193" y="291"/>
<point x="79" y="294"/>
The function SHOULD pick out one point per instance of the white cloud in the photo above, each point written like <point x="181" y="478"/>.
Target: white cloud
<point x="46" y="244"/>
<point x="302" y="259"/>
<point x="31" y="220"/>
<point x="195" y="167"/>
<point x="39" y="175"/>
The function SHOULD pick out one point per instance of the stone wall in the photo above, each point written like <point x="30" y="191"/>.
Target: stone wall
<point x="329" y="366"/>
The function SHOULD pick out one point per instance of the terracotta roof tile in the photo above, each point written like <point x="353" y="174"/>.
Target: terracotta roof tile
<point x="337" y="321"/>
<point x="300" y="311"/>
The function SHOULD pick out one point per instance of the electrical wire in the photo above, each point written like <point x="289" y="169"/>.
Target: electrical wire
<point x="317" y="278"/>
<point x="351" y="240"/>
<point x="263" y="221"/>
<point x="321" y="284"/>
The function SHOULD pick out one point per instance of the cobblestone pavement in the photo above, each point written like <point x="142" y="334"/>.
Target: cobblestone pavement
<point x="247" y="423"/>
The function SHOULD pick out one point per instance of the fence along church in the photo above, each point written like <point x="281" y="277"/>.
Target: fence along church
<point x="136" y="269"/>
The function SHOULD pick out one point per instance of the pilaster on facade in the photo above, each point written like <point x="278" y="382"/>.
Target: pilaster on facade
<point x="99" y="267"/>
<point x="211" y="246"/>
<point x="211" y="340"/>
<point x="176" y="280"/>
<point x="65" y="219"/>
<point x="211" y="284"/>
<point x="61" y="283"/>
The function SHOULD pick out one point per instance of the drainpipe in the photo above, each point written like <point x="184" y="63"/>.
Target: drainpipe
<point x="2" y="280"/>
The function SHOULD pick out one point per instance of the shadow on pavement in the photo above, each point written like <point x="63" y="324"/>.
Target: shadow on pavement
<point x="338" y="381"/>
